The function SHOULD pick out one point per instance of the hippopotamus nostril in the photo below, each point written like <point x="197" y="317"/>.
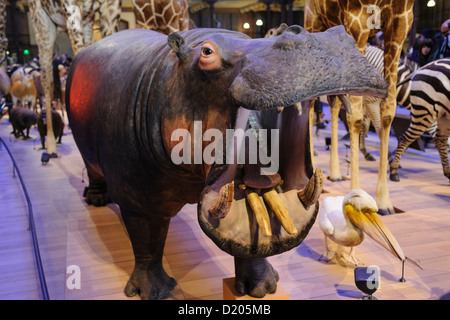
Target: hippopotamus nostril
<point x="295" y="29"/>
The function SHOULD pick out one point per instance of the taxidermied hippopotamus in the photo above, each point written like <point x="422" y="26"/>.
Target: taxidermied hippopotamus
<point x="131" y="94"/>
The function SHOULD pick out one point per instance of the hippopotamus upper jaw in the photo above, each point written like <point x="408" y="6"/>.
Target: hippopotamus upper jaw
<point x="298" y="66"/>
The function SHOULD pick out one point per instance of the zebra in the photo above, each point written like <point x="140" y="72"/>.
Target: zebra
<point x="371" y="105"/>
<point x="403" y="90"/>
<point x="429" y="101"/>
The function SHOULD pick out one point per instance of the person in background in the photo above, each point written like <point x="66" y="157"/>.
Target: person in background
<point x="422" y="54"/>
<point x="442" y="45"/>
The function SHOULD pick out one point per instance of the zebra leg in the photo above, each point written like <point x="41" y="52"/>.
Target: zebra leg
<point x="362" y="138"/>
<point x="441" y="142"/>
<point x="414" y="131"/>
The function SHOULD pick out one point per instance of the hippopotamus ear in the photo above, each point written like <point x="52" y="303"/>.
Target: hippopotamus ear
<point x="282" y="28"/>
<point x="176" y="43"/>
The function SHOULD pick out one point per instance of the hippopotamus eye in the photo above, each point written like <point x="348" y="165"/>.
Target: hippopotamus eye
<point x="210" y="58"/>
<point x="207" y="51"/>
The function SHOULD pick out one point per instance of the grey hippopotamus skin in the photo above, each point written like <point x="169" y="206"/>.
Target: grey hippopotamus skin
<point x="22" y="119"/>
<point x="129" y="92"/>
<point x="58" y="126"/>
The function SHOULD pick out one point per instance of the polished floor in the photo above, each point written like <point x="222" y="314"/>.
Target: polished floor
<point x="71" y="233"/>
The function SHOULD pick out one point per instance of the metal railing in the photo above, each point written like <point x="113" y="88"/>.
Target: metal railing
<point x="32" y="228"/>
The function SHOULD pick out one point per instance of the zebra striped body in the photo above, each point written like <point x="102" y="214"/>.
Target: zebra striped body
<point x="404" y="90"/>
<point x="371" y="105"/>
<point x="430" y="102"/>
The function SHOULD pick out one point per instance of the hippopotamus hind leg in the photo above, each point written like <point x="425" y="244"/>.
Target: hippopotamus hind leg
<point x="148" y="236"/>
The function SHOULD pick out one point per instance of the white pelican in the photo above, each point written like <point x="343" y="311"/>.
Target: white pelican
<point x="344" y="220"/>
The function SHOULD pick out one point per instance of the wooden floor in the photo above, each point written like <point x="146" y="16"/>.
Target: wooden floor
<point x="94" y="239"/>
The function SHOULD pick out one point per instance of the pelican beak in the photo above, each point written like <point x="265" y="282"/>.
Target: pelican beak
<point x="368" y="221"/>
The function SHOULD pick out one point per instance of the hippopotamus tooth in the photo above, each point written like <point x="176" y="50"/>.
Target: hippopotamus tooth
<point x="129" y="92"/>
<point x="276" y="204"/>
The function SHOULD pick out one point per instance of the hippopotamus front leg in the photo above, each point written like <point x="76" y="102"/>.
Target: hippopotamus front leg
<point x="255" y="277"/>
<point x="97" y="192"/>
<point x="148" y="235"/>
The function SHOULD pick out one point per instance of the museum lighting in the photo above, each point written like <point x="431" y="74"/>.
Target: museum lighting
<point x="246" y="25"/>
<point x="259" y="22"/>
<point x="431" y="3"/>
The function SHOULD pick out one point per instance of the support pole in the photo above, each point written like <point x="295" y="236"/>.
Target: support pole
<point x="211" y="12"/>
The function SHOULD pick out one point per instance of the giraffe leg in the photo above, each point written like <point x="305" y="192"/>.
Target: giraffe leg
<point x="88" y="32"/>
<point x="311" y="143"/>
<point x="110" y="16"/>
<point x="396" y="30"/>
<point x="45" y="32"/>
<point x="383" y="200"/>
<point x="335" y="171"/>
<point x="74" y="24"/>
<point x="355" y="120"/>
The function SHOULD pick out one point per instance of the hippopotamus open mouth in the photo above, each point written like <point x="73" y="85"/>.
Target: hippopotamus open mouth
<point x="250" y="210"/>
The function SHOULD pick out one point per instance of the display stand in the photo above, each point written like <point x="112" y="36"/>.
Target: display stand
<point x="230" y="293"/>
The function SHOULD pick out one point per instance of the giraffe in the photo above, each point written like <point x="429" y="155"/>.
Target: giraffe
<point x="3" y="38"/>
<point x="77" y="18"/>
<point x="361" y="19"/>
<point x="5" y="81"/>
<point x="164" y="16"/>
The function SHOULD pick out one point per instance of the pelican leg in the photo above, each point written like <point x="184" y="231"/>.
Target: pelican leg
<point x="348" y="257"/>
<point x="329" y="253"/>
